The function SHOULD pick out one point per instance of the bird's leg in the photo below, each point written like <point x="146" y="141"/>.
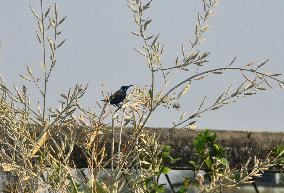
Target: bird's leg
<point x="119" y="106"/>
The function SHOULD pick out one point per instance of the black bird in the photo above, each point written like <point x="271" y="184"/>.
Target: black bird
<point x="118" y="96"/>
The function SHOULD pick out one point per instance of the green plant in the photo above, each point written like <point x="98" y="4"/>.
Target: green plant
<point x="278" y="154"/>
<point x="216" y="168"/>
<point x="212" y="160"/>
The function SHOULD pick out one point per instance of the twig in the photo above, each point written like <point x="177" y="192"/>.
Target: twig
<point x="120" y="133"/>
<point x="255" y="187"/>
<point x="169" y="181"/>
<point x="210" y="71"/>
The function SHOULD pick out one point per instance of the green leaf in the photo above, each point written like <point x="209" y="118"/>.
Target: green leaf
<point x="276" y="151"/>
<point x="161" y="188"/>
<point x="218" y="150"/>
<point x="165" y="170"/>
<point x="166" y="151"/>
<point x="208" y="162"/>
<point x="202" y="139"/>
<point x="100" y="189"/>
<point x="182" y="189"/>
<point x="167" y="148"/>
<point x="223" y="161"/>
<point x="186" y="182"/>
<point x="173" y="160"/>
<point x="194" y="164"/>
<point x="147" y="181"/>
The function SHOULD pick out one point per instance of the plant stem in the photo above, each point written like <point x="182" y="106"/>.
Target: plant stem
<point x="44" y="65"/>
<point x="255" y="187"/>
<point x="120" y="133"/>
<point x="209" y="71"/>
<point x="112" y="152"/>
<point x="169" y="181"/>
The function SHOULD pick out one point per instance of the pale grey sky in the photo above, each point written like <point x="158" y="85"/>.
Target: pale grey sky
<point x="99" y="49"/>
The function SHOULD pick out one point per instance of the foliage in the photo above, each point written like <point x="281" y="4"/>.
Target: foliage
<point x="278" y="154"/>
<point x="214" y="167"/>
<point x="207" y="148"/>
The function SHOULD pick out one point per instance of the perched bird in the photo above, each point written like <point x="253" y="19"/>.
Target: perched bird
<point x="118" y="96"/>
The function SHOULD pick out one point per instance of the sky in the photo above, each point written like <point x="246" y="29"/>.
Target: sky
<point x="99" y="50"/>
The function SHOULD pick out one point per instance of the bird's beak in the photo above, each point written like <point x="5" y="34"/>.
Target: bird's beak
<point x="130" y="85"/>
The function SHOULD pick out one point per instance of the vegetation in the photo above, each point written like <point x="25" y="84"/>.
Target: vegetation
<point x="37" y="141"/>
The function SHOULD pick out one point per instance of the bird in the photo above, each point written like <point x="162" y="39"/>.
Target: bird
<point x="118" y="96"/>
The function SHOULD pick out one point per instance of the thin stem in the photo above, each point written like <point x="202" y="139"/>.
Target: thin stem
<point x="255" y="187"/>
<point x="112" y="151"/>
<point x="169" y="181"/>
<point x="152" y="88"/>
<point x="44" y="64"/>
<point x="198" y="114"/>
<point x="209" y="71"/>
<point x="120" y="133"/>
<point x="56" y="22"/>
